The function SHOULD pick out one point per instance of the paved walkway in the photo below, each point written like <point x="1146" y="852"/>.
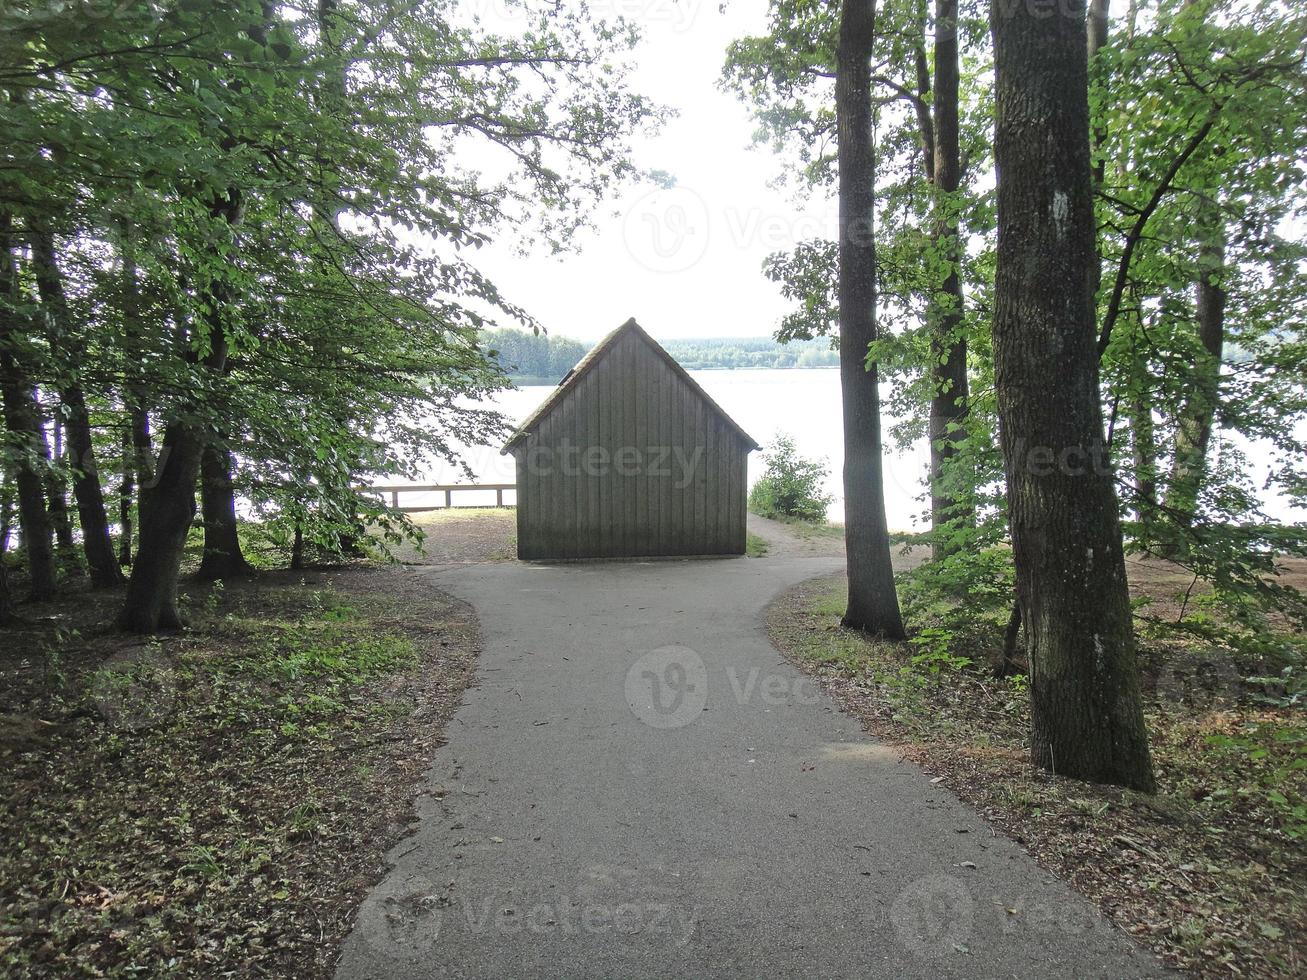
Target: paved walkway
<point x="640" y="786"/>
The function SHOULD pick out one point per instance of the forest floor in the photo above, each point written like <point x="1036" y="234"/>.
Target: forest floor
<point x="1211" y="872"/>
<point x="219" y="800"/>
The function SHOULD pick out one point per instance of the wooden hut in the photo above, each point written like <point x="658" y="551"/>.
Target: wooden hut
<point x="629" y="457"/>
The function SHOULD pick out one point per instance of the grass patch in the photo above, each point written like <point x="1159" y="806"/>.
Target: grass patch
<point x="1210" y="873"/>
<point x="217" y="801"/>
<point x="755" y="546"/>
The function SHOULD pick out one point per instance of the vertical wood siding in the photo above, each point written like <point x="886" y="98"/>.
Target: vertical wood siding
<point x="603" y="475"/>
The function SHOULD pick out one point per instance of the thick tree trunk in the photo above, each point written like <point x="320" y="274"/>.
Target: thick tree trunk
<point x="23" y="420"/>
<point x="169" y="506"/>
<point x="222" y="547"/>
<point x="96" y="540"/>
<point x="1096" y="41"/>
<point x="151" y="602"/>
<point x="948" y="406"/>
<point x="23" y="423"/>
<point x="873" y="604"/>
<point x="1086" y="713"/>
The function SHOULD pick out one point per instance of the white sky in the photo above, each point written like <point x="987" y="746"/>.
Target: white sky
<point x="685" y="262"/>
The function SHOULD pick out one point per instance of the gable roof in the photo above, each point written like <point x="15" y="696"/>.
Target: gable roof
<point x="593" y="357"/>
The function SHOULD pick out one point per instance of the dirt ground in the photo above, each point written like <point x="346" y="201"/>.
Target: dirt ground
<point x="217" y="802"/>
<point x="463" y="534"/>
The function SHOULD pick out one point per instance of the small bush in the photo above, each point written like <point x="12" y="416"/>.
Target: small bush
<point x="791" y="485"/>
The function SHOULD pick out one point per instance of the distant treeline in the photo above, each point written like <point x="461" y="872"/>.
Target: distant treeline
<point x="537" y="357"/>
<point x="546" y="358"/>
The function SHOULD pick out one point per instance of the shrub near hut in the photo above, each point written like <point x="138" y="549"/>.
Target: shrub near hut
<point x="791" y="485"/>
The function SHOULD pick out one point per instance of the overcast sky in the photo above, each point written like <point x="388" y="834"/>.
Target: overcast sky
<point x="687" y="261"/>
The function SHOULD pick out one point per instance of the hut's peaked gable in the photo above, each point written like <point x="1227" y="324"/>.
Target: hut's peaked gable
<point x="574" y="378"/>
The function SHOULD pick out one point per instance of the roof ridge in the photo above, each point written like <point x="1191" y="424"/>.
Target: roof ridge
<point x="591" y="357"/>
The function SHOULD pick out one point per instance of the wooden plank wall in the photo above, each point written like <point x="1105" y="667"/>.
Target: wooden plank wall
<point x="644" y="420"/>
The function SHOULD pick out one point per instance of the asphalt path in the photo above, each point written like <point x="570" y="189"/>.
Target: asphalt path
<point x="640" y="786"/>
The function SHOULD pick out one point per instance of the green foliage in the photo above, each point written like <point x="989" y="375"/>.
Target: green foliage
<point x="791" y="484"/>
<point x="304" y="187"/>
<point x="1215" y="75"/>
<point x="1276" y="755"/>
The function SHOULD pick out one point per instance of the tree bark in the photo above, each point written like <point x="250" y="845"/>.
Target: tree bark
<point x="1193" y="434"/>
<point x="222" y="547"/>
<point x="873" y="604"/>
<point x="135" y="389"/>
<point x="948" y="406"/>
<point x="1143" y="451"/>
<point x="6" y="596"/>
<point x="126" y="493"/>
<point x="89" y="495"/>
<point x="151" y="602"/>
<point x="1086" y="714"/>
<point x="297" y="548"/>
<point x="23" y="420"/>
<point x="56" y="494"/>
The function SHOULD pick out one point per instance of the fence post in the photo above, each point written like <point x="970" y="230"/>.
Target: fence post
<point x="449" y="495"/>
<point x="499" y="497"/>
<point x="394" y="499"/>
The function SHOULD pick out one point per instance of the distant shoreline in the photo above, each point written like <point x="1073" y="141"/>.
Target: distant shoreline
<point x="535" y="381"/>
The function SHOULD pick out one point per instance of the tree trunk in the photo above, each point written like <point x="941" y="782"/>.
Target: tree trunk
<point x="6" y="596"/>
<point x="873" y="604"/>
<point x="96" y="540"/>
<point x="126" y="491"/>
<point x="1197" y="415"/>
<point x="1096" y="40"/>
<point x="142" y="458"/>
<point x="56" y="493"/>
<point x="948" y="406"/>
<point x="1086" y="714"/>
<point x="1143" y="451"/>
<point x="27" y="437"/>
<point x="151" y="602"/>
<point x="222" y="547"/>
<point x="297" y="548"/>
<point x="135" y="390"/>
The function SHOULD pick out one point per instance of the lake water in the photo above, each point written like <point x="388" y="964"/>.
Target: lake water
<point x="804" y="403"/>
